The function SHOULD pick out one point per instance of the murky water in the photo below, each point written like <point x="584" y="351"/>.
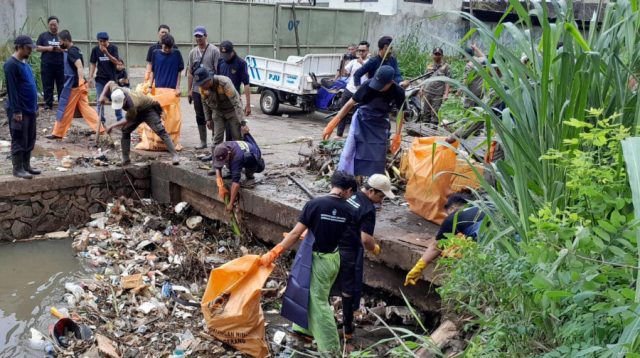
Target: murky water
<point x="32" y="277"/>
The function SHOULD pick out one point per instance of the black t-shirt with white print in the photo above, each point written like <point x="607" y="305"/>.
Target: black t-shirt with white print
<point x="327" y="217"/>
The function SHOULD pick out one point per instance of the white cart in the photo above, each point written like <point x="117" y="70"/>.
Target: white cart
<point x="290" y="81"/>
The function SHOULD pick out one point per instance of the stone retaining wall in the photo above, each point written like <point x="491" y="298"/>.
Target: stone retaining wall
<point x="56" y="202"/>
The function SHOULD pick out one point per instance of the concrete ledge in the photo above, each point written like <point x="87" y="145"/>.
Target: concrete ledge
<point x="401" y="234"/>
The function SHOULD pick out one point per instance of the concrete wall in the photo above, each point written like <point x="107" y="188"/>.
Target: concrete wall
<point x="433" y="23"/>
<point x="13" y="15"/>
<point x="54" y="203"/>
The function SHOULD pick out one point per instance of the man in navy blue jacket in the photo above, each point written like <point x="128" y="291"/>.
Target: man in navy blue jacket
<point x="22" y="106"/>
<point x="384" y="57"/>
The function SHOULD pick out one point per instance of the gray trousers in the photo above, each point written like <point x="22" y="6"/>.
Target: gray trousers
<point x="153" y="120"/>
<point x="222" y="120"/>
<point x="430" y="107"/>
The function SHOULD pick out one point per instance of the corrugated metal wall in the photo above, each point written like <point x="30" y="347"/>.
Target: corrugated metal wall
<point x="257" y="29"/>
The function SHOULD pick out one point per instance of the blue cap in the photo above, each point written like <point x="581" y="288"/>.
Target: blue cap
<point x="202" y="75"/>
<point x="102" y="36"/>
<point x="200" y="30"/>
<point x="384" y="75"/>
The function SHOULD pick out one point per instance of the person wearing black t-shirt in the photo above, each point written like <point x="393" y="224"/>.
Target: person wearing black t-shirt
<point x="317" y="262"/>
<point x="365" y="150"/>
<point x="460" y="220"/>
<point x="75" y="95"/>
<point x="104" y="58"/>
<point x="360" y="233"/>
<point x="51" y="67"/>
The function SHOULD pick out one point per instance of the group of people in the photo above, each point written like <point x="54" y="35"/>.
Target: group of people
<point x="335" y="229"/>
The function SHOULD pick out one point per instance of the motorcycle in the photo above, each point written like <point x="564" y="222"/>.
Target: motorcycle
<point x="412" y="107"/>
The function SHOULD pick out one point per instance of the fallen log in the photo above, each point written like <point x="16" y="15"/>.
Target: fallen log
<point x="440" y="338"/>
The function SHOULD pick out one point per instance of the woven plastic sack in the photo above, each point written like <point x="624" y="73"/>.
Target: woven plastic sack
<point x="231" y="305"/>
<point x="172" y="121"/>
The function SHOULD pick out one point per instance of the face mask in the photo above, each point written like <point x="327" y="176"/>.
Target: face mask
<point x="226" y="56"/>
<point x="63" y="46"/>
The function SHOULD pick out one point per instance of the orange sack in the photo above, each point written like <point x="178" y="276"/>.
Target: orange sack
<point x="231" y="304"/>
<point x="172" y="121"/>
<point x="433" y="172"/>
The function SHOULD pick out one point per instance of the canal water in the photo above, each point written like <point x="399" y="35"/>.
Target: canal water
<point x="32" y="278"/>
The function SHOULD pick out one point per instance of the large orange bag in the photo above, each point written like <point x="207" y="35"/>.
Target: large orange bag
<point x="231" y="304"/>
<point x="429" y="167"/>
<point x="433" y="172"/>
<point x="172" y="121"/>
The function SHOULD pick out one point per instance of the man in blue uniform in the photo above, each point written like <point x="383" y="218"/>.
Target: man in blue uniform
<point x="237" y="155"/>
<point x="232" y="66"/>
<point x="317" y="263"/>
<point x="384" y="58"/>
<point x="22" y="107"/>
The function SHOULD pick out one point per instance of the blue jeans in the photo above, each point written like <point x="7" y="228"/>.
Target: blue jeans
<point x="99" y="89"/>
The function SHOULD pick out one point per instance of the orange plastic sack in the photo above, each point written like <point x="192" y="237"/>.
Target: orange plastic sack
<point x="172" y="122"/>
<point x="231" y="304"/>
<point x="429" y="173"/>
<point x="465" y="177"/>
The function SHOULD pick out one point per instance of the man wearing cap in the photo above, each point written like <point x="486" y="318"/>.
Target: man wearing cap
<point x="75" y="95"/>
<point x="365" y="150"/>
<point x="206" y="56"/>
<point x="51" y="67"/>
<point x="385" y="57"/>
<point x="434" y="93"/>
<point x="359" y="235"/>
<point x="140" y="109"/>
<point x="221" y="104"/>
<point x="317" y="263"/>
<point x="104" y="57"/>
<point x="234" y="67"/>
<point x="237" y="155"/>
<point x="21" y="106"/>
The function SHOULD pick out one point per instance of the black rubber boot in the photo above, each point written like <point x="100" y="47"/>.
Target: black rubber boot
<point x="18" y="169"/>
<point x="26" y="164"/>
<point x="347" y="316"/>
<point x="125" y="144"/>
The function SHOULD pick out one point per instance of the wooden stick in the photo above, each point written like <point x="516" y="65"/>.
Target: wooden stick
<point x="306" y="190"/>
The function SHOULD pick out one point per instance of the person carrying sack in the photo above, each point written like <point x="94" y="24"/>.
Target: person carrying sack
<point x="317" y="263"/>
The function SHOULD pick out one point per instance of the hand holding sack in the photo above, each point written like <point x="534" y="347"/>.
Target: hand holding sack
<point x="416" y="272"/>
<point x="268" y="258"/>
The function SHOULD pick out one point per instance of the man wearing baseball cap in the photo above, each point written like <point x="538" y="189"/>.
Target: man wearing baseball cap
<point x="234" y="67"/>
<point x="21" y="106"/>
<point x="206" y="56"/>
<point x="358" y="237"/>
<point x="365" y="150"/>
<point x="434" y="93"/>
<point x="104" y="58"/>
<point x="221" y="104"/>
<point x="140" y="109"/>
<point x="237" y="155"/>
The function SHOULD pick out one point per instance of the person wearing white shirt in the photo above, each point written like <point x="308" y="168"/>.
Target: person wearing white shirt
<point x="362" y="56"/>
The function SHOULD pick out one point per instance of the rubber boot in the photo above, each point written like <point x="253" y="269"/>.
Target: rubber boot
<point x="202" y="130"/>
<point x="18" y="169"/>
<point x="126" y="149"/>
<point x="27" y="164"/>
<point x="347" y="314"/>
<point x="175" y="158"/>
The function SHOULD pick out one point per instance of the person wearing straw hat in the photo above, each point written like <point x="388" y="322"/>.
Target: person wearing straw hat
<point x="140" y="109"/>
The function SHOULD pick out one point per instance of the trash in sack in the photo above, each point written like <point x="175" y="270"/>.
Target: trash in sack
<point x="231" y="304"/>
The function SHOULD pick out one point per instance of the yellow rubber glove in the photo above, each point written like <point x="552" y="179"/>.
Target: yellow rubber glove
<point x="222" y="190"/>
<point x="416" y="272"/>
<point x="376" y="250"/>
<point x="268" y="258"/>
